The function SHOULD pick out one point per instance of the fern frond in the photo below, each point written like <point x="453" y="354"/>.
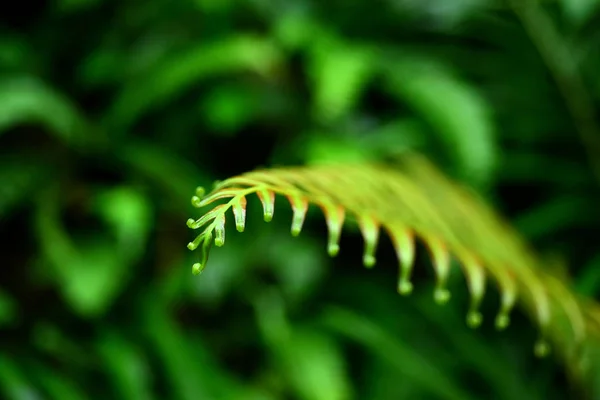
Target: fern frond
<point x="413" y="201"/>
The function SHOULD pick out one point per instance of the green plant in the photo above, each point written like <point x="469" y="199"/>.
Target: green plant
<point x="413" y="200"/>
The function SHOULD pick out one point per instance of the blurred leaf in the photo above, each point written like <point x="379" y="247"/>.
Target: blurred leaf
<point x="26" y="100"/>
<point x="15" y="53"/>
<point x="214" y="5"/>
<point x="91" y="273"/>
<point x="129" y="215"/>
<point x="95" y="277"/>
<point x="8" y="309"/>
<point x="316" y="367"/>
<point x="457" y="112"/>
<point x="66" y="6"/>
<point x="177" y="74"/>
<point x="298" y="262"/>
<point x="312" y="362"/>
<point x="407" y="361"/>
<point x="171" y="173"/>
<point x="520" y="167"/>
<point x="228" y="108"/>
<point x="323" y="148"/>
<point x="557" y="215"/>
<point x="339" y="74"/>
<point x="295" y="28"/>
<point x="13" y="383"/>
<point x="374" y="142"/>
<point x="187" y="365"/>
<point x="588" y="280"/>
<point x="58" y="387"/>
<point x="19" y="176"/>
<point x="578" y="12"/>
<point x="51" y="339"/>
<point x="442" y="14"/>
<point x="127" y="366"/>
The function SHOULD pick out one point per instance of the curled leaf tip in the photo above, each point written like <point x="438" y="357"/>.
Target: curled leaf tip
<point x="197" y="201"/>
<point x="502" y="321"/>
<point x="474" y="319"/>
<point x="193" y="245"/>
<point x="295" y="230"/>
<point x="405" y="287"/>
<point x="369" y="260"/>
<point x="200" y="192"/>
<point x="441" y="295"/>
<point x="197" y="268"/>
<point x="541" y="348"/>
<point x="190" y="223"/>
<point x="333" y="249"/>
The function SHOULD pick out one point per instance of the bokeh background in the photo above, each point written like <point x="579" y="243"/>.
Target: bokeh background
<point x="112" y="112"/>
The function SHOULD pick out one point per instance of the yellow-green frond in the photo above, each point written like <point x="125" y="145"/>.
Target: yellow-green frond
<point x="412" y="201"/>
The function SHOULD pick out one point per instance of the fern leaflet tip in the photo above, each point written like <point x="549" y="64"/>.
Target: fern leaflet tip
<point x="196" y="201"/>
<point x="369" y="260"/>
<point x="197" y="268"/>
<point x="441" y="296"/>
<point x="333" y="249"/>
<point x="541" y="348"/>
<point x="239" y="213"/>
<point x="299" y="208"/>
<point x="502" y="321"/>
<point x="220" y="230"/>
<point x="267" y="199"/>
<point x="405" y="287"/>
<point x="474" y="319"/>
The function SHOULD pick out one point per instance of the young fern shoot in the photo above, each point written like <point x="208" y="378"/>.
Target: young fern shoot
<point x="414" y="201"/>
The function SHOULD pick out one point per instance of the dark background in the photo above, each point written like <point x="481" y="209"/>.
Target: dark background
<point x="112" y="112"/>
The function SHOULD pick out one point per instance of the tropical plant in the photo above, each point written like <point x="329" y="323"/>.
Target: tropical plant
<point x="413" y="200"/>
<point x="111" y="112"/>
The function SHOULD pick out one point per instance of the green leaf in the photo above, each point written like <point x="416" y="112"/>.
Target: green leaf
<point x="27" y="100"/>
<point x="557" y="215"/>
<point x="311" y="361"/>
<point x="14" y="384"/>
<point x="588" y="281"/>
<point x="578" y="12"/>
<point x="56" y="385"/>
<point x="316" y="367"/>
<point x="90" y="272"/>
<point x="179" y="72"/>
<point x="94" y="278"/>
<point x="339" y="73"/>
<point x="458" y="114"/>
<point x="407" y="362"/>
<point x="15" y="53"/>
<point x="228" y="108"/>
<point x="20" y="176"/>
<point x="188" y="369"/>
<point x="127" y="366"/>
<point x="172" y="174"/>
<point x="128" y="214"/>
<point x="8" y="309"/>
<point x="325" y="149"/>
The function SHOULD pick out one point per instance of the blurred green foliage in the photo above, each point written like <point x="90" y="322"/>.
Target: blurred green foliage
<point x="111" y="113"/>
